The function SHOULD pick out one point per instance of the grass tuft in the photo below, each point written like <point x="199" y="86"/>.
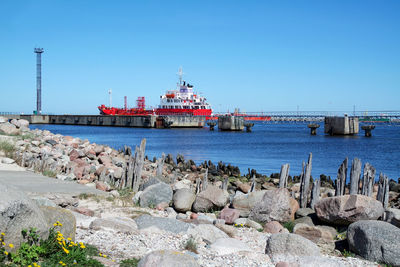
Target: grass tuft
<point x="191" y="245"/>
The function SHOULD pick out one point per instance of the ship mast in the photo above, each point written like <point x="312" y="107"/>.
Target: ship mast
<point x="180" y="74"/>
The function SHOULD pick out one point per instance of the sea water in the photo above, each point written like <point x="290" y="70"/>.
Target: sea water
<point x="265" y="149"/>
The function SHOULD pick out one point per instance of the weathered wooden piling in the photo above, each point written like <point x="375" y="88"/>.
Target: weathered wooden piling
<point x="253" y="184"/>
<point x="341" y="178"/>
<point x="368" y="129"/>
<point x="205" y="181"/>
<point x="313" y="127"/>
<point x="160" y="165"/>
<point x="305" y="182"/>
<point x="283" y="176"/>
<point x="355" y="173"/>
<point x="315" y="193"/>
<point x="383" y="190"/>
<point x="368" y="180"/>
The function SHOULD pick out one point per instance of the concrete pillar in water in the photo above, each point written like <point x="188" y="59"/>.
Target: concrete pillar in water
<point x="368" y="129"/>
<point x="313" y="128"/>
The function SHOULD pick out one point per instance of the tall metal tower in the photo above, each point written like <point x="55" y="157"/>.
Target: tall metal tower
<point x="38" y="52"/>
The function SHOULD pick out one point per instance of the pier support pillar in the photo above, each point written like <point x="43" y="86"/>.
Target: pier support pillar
<point x="368" y="129"/>
<point x="211" y="125"/>
<point x="313" y="128"/>
<point x="248" y="126"/>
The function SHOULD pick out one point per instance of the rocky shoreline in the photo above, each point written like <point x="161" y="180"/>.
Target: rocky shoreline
<point x="232" y="220"/>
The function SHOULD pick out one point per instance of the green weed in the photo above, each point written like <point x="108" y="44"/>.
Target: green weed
<point x="289" y="225"/>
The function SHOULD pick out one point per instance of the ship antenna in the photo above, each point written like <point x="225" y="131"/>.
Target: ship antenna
<point x="180" y="73"/>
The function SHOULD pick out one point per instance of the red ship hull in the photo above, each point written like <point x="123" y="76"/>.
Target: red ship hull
<point x="192" y="112"/>
<point x="124" y="112"/>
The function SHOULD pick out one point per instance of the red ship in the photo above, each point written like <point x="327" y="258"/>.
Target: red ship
<point x="181" y="101"/>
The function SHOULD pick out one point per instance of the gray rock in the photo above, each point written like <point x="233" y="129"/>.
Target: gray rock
<point x="9" y="129"/>
<point x="323" y="237"/>
<point x="64" y="216"/>
<point x="313" y="261"/>
<point x="211" y="197"/>
<point x="181" y="216"/>
<point x="3" y="119"/>
<point x="42" y="201"/>
<point x="166" y="224"/>
<point x="344" y="210"/>
<point x="149" y="182"/>
<point x="208" y="232"/>
<point x="155" y="194"/>
<point x="224" y="246"/>
<point x="246" y="202"/>
<point x="274" y="206"/>
<point x="18" y="212"/>
<point x="304" y="220"/>
<point x="289" y="247"/>
<point x="7" y="161"/>
<point x="375" y="241"/>
<point x="118" y="224"/>
<point x="183" y="199"/>
<point x="393" y="216"/>
<point x="303" y="212"/>
<point x="165" y="258"/>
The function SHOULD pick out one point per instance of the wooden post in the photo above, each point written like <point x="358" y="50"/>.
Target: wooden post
<point x="139" y="162"/>
<point x="198" y="185"/>
<point x="253" y="184"/>
<point x="283" y="176"/>
<point x="315" y="193"/>
<point x="368" y="180"/>
<point x="160" y="165"/>
<point x="355" y="176"/>
<point x="383" y="190"/>
<point x="225" y="183"/>
<point x="205" y="181"/>
<point x="341" y="178"/>
<point x="305" y="183"/>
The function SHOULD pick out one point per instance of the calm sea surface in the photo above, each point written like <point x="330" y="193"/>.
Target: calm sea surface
<point x="265" y="149"/>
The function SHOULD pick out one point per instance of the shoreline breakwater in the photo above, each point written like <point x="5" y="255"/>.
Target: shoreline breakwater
<point x="316" y="209"/>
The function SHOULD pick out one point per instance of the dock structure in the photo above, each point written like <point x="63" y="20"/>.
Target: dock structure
<point x="368" y="129"/>
<point x="230" y="123"/>
<point x="313" y="127"/>
<point x="344" y="125"/>
<point x="145" y="121"/>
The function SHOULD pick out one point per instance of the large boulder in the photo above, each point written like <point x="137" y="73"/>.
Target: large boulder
<point x="212" y="197"/>
<point x="319" y="235"/>
<point x="165" y="258"/>
<point x="117" y="224"/>
<point x="9" y="129"/>
<point x="18" y="212"/>
<point x="207" y="232"/>
<point x="393" y="216"/>
<point x="155" y="194"/>
<point x="288" y="247"/>
<point x="375" y="241"/>
<point x="183" y="199"/>
<point x="229" y="215"/>
<point x="276" y="205"/>
<point x="64" y="216"/>
<point x="20" y="123"/>
<point x="246" y="202"/>
<point x="224" y="246"/>
<point x="166" y="224"/>
<point x="3" y="119"/>
<point x="344" y="210"/>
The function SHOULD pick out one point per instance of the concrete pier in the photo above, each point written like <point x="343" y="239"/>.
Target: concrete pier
<point x="313" y="127"/>
<point x="230" y="123"/>
<point x="211" y="125"/>
<point x="150" y="121"/>
<point x="368" y="129"/>
<point x="341" y="125"/>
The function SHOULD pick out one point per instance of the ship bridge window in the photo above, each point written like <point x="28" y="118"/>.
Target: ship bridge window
<point x="203" y="107"/>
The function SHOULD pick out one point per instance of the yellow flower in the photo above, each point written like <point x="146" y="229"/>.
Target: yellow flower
<point x="60" y="262"/>
<point x="83" y="246"/>
<point x="11" y="245"/>
<point x="65" y="250"/>
<point x="29" y="265"/>
<point x="69" y="238"/>
<point x="3" y="234"/>
<point x="5" y="252"/>
<point x="241" y="224"/>
<point x="105" y="256"/>
<point x="100" y="254"/>
<point x="3" y="243"/>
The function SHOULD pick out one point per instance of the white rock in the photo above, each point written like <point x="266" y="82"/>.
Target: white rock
<point x="224" y="246"/>
<point x="7" y="161"/>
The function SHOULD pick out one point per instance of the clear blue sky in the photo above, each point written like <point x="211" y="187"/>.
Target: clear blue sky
<point x="256" y="55"/>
